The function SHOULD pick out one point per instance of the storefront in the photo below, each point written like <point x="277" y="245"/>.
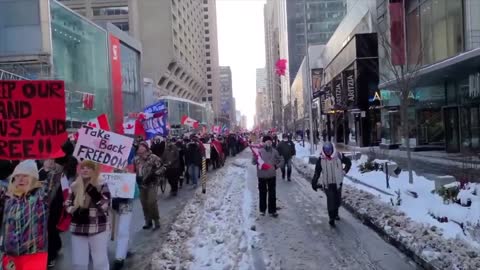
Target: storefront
<point x="345" y="103"/>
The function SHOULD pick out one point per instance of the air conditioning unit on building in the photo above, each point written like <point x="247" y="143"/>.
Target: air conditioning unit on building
<point x="474" y="85"/>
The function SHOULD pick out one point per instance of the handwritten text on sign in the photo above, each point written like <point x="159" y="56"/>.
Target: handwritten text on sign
<point x="104" y="147"/>
<point x="32" y="119"/>
<point x="121" y="185"/>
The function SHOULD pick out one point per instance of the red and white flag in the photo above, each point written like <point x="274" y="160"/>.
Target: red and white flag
<point x="100" y="122"/>
<point x="216" y="129"/>
<point x="260" y="163"/>
<point x="88" y="101"/>
<point x="189" y="122"/>
<point x="133" y="127"/>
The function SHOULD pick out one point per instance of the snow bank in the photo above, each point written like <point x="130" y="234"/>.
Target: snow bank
<point x="443" y="245"/>
<point x="214" y="230"/>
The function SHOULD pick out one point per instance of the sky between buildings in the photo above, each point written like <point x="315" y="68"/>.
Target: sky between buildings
<point x="241" y="44"/>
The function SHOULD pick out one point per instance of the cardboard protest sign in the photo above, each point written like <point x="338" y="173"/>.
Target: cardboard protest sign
<point x="121" y="185"/>
<point x="104" y="147"/>
<point x="208" y="150"/>
<point x="32" y="119"/>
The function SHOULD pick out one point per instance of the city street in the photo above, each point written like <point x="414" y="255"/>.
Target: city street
<point x="229" y="233"/>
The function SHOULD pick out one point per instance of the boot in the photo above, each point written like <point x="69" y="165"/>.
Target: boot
<point x="118" y="264"/>
<point x="156" y="225"/>
<point x="147" y="226"/>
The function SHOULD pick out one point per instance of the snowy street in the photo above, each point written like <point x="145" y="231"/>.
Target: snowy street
<point x="223" y="230"/>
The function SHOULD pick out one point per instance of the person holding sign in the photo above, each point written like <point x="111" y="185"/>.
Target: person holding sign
<point x="25" y="217"/>
<point x="148" y="168"/>
<point x="89" y="202"/>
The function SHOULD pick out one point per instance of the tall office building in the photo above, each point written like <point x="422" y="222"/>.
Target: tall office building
<point x="173" y="36"/>
<point x="261" y="99"/>
<point x="227" y="110"/>
<point x="272" y="52"/>
<point x="323" y="17"/>
<point x="211" y="55"/>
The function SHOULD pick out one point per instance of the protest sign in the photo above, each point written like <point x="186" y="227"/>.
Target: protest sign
<point x="208" y="150"/>
<point x="32" y="119"/>
<point x="121" y="185"/>
<point x="104" y="147"/>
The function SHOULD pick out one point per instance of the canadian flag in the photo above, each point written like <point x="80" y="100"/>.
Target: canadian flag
<point x="100" y="122"/>
<point x="87" y="101"/>
<point x="133" y="127"/>
<point x="189" y="122"/>
<point x="260" y="163"/>
<point x="216" y="129"/>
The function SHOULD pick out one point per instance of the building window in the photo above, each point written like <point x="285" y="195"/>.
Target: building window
<point x="205" y="2"/>
<point x="207" y="31"/>
<point x="209" y="69"/>
<point x="207" y="46"/>
<point x="210" y="98"/>
<point x="206" y="24"/>
<point x="205" y="9"/>
<point x="208" y="62"/>
<point x="205" y="16"/>
<point x="110" y="11"/>
<point x="204" y="99"/>
<point x="122" y="25"/>
<point x="208" y="54"/>
<point x="207" y="39"/>
<point x="209" y="76"/>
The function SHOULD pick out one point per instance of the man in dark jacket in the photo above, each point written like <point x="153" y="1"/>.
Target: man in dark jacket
<point x="193" y="159"/>
<point x="232" y="144"/>
<point x="286" y="149"/>
<point x="158" y="146"/>
<point x="181" y="151"/>
<point x="171" y="158"/>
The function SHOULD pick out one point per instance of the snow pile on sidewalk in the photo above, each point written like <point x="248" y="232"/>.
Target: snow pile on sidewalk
<point x="214" y="230"/>
<point x="435" y="244"/>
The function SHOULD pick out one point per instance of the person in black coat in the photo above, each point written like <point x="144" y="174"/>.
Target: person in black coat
<point x="286" y="149"/>
<point x="158" y="146"/>
<point x="181" y="151"/>
<point x="193" y="159"/>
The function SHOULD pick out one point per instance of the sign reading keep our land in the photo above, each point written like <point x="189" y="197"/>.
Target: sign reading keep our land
<point x="121" y="185"/>
<point x="104" y="147"/>
<point x="32" y="119"/>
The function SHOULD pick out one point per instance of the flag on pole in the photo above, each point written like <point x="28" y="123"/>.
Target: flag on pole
<point x="189" y="122"/>
<point x="260" y="163"/>
<point x="100" y="122"/>
<point x="216" y="129"/>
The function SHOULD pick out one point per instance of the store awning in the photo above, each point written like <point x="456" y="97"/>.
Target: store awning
<point x="455" y="67"/>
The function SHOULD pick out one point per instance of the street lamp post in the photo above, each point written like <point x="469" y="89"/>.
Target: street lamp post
<point x="309" y="77"/>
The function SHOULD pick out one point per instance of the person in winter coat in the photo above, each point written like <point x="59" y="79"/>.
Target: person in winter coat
<point x="232" y="145"/>
<point x="149" y="169"/>
<point x="193" y="158"/>
<point x="267" y="178"/>
<point x="286" y="148"/>
<point x="89" y="202"/>
<point x="24" y="208"/>
<point x="329" y="169"/>
<point x="181" y="170"/>
<point x="171" y="158"/>
<point x="158" y="146"/>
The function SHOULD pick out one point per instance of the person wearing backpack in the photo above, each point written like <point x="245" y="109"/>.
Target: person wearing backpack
<point x="329" y="169"/>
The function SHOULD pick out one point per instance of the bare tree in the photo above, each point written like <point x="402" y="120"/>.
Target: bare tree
<point x="404" y="77"/>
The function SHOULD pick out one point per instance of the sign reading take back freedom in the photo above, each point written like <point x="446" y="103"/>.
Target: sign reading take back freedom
<point x="32" y="119"/>
<point x="104" y="147"/>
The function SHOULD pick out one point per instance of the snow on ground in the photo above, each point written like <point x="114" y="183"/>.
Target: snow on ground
<point x="214" y="230"/>
<point x="443" y="243"/>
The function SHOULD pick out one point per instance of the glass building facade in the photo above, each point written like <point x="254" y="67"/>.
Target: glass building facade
<point x="80" y="58"/>
<point x="323" y="17"/>
<point x="131" y="86"/>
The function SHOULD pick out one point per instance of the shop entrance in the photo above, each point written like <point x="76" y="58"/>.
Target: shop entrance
<point x="430" y="127"/>
<point x="452" y="138"/>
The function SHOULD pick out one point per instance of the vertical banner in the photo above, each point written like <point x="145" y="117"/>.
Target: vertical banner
<point x="117" y="98"/>
<point x="337" y="87"/>
<point x="32" y="119"/>
<point x="316" y="81"/>
<point x="349" y="84"/>
<point x="397" y="37"/>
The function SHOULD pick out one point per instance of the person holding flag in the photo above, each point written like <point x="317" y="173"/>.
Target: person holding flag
<point x="268" y="161"/>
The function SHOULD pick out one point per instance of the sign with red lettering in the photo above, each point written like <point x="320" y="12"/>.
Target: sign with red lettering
<point x="104" y="147"/>
<point x="32" y="119"/>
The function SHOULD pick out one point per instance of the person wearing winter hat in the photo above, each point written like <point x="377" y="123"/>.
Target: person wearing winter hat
<point x="89" y="202"/>
<point x="25" y="216"/>
<point x="267" y="177"/>
<point x="329" y="169"/>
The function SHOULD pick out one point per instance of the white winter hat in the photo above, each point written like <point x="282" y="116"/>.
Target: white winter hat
<point x="27" y="167"/>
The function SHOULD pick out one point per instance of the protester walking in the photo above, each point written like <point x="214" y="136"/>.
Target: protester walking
<point x="267" y="176"/>
<point x="89" y="202"/>
<point x="171" y="159"/>
<point x="193" y="160"/>
<point x="329" y="169"/>
<point x="149" y="169"/>
<point x="286" y="149"/>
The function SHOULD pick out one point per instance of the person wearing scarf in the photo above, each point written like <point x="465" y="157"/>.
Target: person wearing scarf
<point x="329" y="169"/>
<point x="89" y="202"/>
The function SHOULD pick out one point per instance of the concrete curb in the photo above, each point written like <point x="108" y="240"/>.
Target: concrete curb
<point x="368" y="221"/>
